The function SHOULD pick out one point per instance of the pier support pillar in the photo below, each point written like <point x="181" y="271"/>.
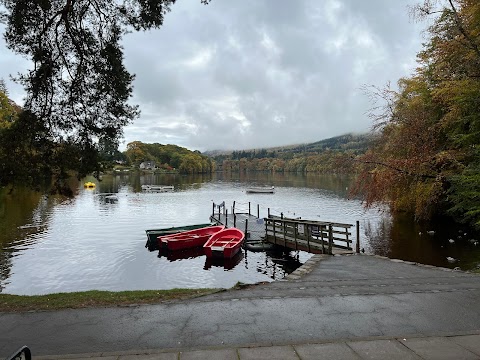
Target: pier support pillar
<point x="330" y="239"/>
<point x="358" y="238"/>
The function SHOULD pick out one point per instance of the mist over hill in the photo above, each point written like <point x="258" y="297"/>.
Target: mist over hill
<point x="354" y="143"/>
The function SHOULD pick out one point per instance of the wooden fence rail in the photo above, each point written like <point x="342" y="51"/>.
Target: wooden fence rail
<point x="308" y="235"/>
<point x="312" y="236"/>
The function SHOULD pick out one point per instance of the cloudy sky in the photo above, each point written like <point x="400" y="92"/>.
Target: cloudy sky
<point x="242" y="74"/>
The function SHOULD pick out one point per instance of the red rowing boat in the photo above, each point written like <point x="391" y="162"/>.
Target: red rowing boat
<point x="188" y="239"/>
<point x="225" y="243"/>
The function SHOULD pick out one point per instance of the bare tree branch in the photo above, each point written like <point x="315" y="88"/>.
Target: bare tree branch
<point x="403" y="171"/>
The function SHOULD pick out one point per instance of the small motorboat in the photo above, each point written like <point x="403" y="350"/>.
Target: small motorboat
<point x="261" y="190"/>
<point x="89" y="185"/>
<point x="153" y="234"/>
<point x="158" y="188"/>
<point x="225" y="243"/>
<point x="188" y="239"/>
<point x="258" y="246"/>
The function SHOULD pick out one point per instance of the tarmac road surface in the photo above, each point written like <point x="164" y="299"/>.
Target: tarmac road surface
<point x="329" y="298"/>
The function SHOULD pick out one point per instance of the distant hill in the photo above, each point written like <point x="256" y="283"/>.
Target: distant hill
<point x="168" y="157"/>
<point x="355" y="143"/>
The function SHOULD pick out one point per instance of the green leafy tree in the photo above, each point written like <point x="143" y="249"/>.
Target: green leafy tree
<point x="8" y="110"/>
<point x="136" y="153"/>
<point x="78" y="86"/>
<point x="190" y="165"/>
<point x="108" y="151"/>
<point x="169" y="157"/>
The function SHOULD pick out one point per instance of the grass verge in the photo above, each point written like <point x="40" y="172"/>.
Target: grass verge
<point x="94" y="298"/>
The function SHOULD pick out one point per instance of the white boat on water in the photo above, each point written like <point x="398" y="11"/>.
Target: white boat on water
<point x="158" y="188"/>
<point x="261" y="190"/>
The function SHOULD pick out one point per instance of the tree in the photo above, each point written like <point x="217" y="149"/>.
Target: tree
<point x="8" y="110"/>
<point x="136" y="153"/>
<point x="108" y="150"/>
<point x="425" y="159"/>
<point x="190" y="165"/>
<point x="171" y="156"/>
<point x="78" y="86"/>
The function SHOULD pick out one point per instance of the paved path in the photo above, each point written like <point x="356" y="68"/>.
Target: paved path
<point x="454" y="347"/>
<point x="331" y="298"/>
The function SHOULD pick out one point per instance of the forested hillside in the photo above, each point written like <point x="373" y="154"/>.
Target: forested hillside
<point x="333" y="155"/>
<point x="168" y="157"/>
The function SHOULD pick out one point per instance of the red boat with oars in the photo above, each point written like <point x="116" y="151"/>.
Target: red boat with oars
<point x="225" y="243"/>
<point x="188" y="239"/>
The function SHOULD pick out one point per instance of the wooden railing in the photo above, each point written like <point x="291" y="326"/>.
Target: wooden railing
<point x="312" y="236"/>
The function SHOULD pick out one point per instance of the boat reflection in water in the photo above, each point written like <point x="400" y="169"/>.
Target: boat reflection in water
<point x="227" y="263"/>
<point x="181" y="254"/>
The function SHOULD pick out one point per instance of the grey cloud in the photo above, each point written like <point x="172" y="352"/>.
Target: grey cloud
<point x="258" y="73"/>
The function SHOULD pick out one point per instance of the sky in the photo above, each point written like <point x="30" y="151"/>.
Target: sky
<point x="244" y="74"/>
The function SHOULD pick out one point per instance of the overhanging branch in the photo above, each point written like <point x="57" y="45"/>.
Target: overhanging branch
<point x="403" y="171"/>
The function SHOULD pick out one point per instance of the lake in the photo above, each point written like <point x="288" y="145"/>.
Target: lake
<point x="52" y="244"/>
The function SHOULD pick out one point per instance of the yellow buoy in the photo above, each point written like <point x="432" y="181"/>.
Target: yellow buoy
<point x="89" y="184"/>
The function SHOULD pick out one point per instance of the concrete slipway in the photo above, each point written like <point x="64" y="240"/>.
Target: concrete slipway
<point x="357" y="306"/>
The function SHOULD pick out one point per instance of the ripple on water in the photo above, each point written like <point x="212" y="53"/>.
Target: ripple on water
<point x="87" y="243"/>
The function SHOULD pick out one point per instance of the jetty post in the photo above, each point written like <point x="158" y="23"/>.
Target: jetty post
<point x="330" y="239"/>
<point x="234" y="220"/>
<point x="226" y="218"/>
<point x="358" y="238"/>
<point x="249" y="212"/>
<point x="308" y="233"/>
<point x="295" y="232"/>
<point x="322" y="228"/>
<point x="233" y="210"/>
<point x="213" y="209"/>
<point x="246" y="229"/>
<point x="258" y="211"/>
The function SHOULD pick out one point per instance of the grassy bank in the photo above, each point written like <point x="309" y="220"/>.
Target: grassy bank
<point x="76" y="300"/>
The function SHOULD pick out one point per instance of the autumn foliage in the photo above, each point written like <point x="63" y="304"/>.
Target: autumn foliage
<point x="426" y="158"/>
<point x="169" y="157"/>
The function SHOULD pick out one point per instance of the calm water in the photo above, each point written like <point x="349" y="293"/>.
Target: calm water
<point x="50" y="244"/>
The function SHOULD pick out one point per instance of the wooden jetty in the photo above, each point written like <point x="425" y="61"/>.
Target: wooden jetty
<point x="320" y="237"/>
<point x="253" y="226"/>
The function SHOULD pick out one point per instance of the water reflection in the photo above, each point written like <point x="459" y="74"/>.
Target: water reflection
<point x="96" y="240"/>
<point x="378" y="235"/>
<point x="181" y="254"/>
<point x="226" y="264"/>
<point x="434" y="243"/>
<point x="23" y="218"/>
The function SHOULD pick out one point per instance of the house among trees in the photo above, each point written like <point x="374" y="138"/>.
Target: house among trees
<point x="147" y="165"/>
